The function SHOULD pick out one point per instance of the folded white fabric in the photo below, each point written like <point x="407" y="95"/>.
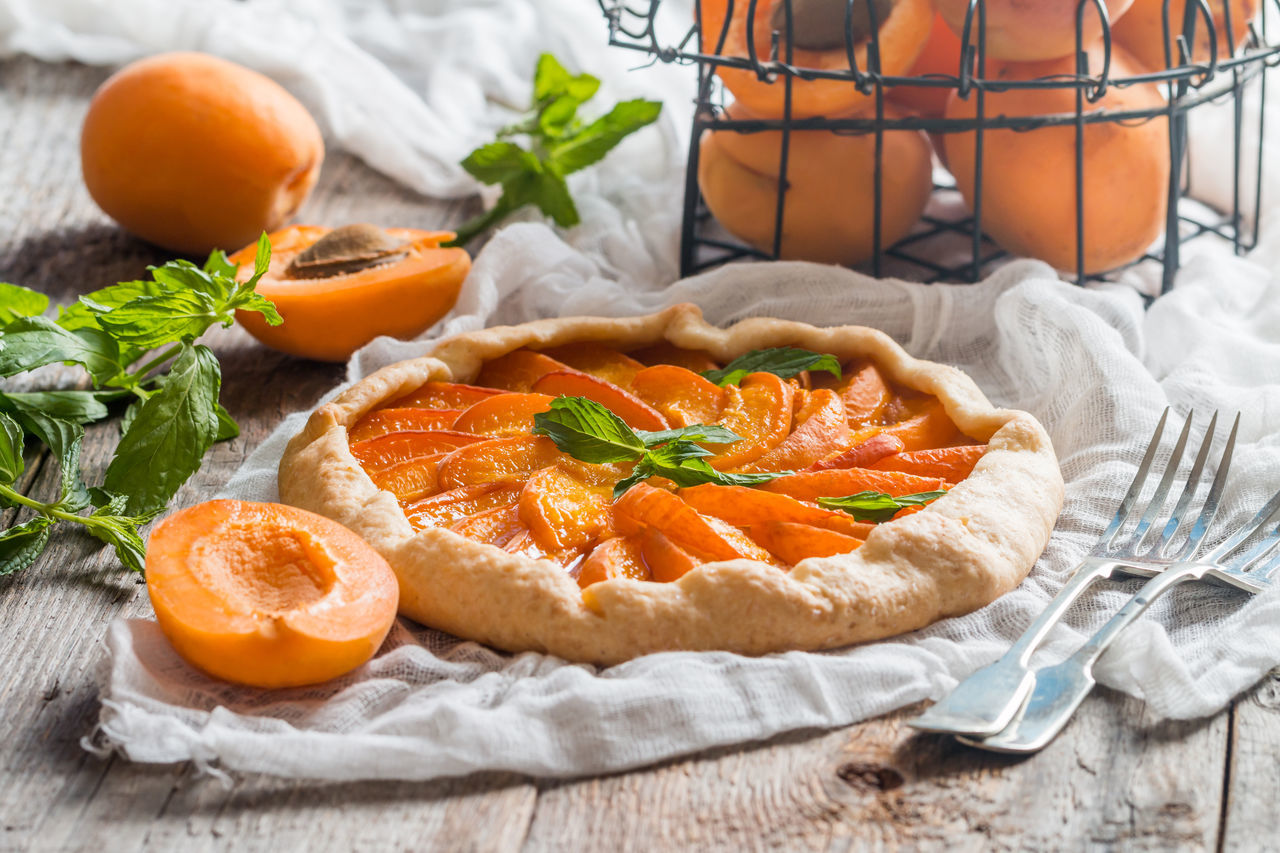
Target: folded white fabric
<point x="411" y="87"/>
<point x="430" y="705"/>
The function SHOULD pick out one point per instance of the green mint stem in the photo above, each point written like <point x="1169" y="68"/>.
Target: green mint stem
<point x="50" y="510"/>
<point x="473" y="227"/>
<point x="140" y="374"/>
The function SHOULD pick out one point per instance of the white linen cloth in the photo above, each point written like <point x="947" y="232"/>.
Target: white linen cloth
<point x="1090" y="364"/>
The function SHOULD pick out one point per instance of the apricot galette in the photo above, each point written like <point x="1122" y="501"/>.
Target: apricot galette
<point x="602" y="488"/>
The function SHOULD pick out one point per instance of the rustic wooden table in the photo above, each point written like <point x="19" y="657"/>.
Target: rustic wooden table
<point x="1113" y="779"/>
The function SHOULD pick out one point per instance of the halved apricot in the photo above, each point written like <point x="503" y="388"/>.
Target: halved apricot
<point x="497" y="460"/>
<point x="865" y="395"/>
<point x="681" y="396"/>
<point x="444" y="508"/>
<point x="268" y="595"/>
<point x="445" y="395"/>
<point x="562" y="512"/>
<point x="838" y="482"/>
<point x="666" y="352"/>
<point x="759" y="410"/>
<point x="403" y="419"/>
<point x="599" y="360"/>
<point x="503" y="415"/>
<point x="792" y="541"/>
<point x="575" y="383"/>
<point x="864" y="454"/>
<point x="821" y="430"/>
<point x="517" y="370"/>
<point x="952" y="464"/>
<point x="745" y="507"/>
<point x="614" y="558"/>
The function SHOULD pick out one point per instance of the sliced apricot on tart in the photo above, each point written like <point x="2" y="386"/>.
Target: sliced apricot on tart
<point x="445" y="508"/>
<point x="444" y="395"/>
<point x="561" y="511"/>
<point x="518" y="370"/>
<point x="865" y="395"/>
<point x="952" y="464"/>
<point x="695" y="360"/>
<point x="759" y="410"/>
<point x="404" y="419"/>
<point x="792" y="541"/>
<point x="503" y="414"/>
<point x="575" y="383"/>
<point x="599" y="360"/>
<point x="496" y="459"/>
<point x="864" y="454"/>
<point x="618" y="557"/>
<point x="681" y="396"/>
<point x="838" y="482"/>
<point x="821" y="429"/>
<point x="926" y="425"/>
<point x="496" y="526"/>
<point x="744" y="507"/>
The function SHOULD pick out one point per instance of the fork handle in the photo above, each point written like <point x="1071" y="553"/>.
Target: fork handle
<point x="1087" y="655"/>
<point x="984" y="702"/>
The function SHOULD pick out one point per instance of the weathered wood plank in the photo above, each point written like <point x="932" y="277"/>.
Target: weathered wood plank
<point x="1109" y="781"/>
<point x="1251" y="820"/>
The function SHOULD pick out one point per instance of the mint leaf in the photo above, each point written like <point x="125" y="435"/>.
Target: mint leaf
<point x="79" y="407"/>
<point x="185" y="277"/>
<point x="153" y="321"/>
<point x="31" y="342"/>
<point x="77" y="315"/>
<point x="552" y="80"/>
<point x="220" y="265"/>
<point x="17" y="301"/>
<point x="21" y="544"/>
<point x="175" y="426"/>
<point x="11" y="438"/>
<point x="121" y="532"/>
<point x="588" y="431"/>
<point x="597" y="139"/>
<point x="685" y="466"/>
<point x="227" y="426"/>
<point x="498" y="162"/>
<point x="708" y="433"/>
<point x="547" y="191"/>
<point x="877" y="507"/>
<point x="780" y="361"/>
<point x="63" y="439"/>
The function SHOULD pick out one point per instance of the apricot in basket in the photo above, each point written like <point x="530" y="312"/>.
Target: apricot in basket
<point x="337" y="289"/>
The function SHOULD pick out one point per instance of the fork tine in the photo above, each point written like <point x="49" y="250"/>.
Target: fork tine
<point x="1156" y="504"/>
<point x="1251" y="559"/>
<point x="1135" y="488"/>
<point x="1262" y="518"/>
<point x="1214" y="498"/>
<point x="1188" y="492"/>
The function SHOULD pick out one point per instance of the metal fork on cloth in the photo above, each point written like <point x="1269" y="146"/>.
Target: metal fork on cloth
<point x="985" y="703"/>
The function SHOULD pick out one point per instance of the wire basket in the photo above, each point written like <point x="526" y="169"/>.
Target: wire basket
<point x="1186" y="85"/>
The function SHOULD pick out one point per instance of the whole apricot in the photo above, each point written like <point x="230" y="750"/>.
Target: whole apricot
<point x="1141" y="31"/>
<point x="1031" y="30"/>
<point x="829" y="213"/>
<point x="192" y="152"/>
<point x="1029" y="177"/>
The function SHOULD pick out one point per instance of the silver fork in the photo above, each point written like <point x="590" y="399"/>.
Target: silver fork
<point x="1060" y="689"/>
<point x="985" y="702"/>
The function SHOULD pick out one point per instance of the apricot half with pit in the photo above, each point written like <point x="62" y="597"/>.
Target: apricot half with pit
<point x="337" y="289"/>
<point x="268" y="595"/>
<point x="194" y="153"/>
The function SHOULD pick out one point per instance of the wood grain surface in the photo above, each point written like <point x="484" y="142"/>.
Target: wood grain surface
<point x="1113" y="780"/>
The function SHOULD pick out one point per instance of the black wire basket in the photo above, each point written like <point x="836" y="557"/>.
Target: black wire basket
<point x="1185" y="83"/>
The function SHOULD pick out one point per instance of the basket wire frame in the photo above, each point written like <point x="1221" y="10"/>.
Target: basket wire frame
<point x="1187" y="84"/>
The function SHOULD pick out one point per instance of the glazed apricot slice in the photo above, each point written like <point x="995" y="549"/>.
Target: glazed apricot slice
<point x="695" y="360"/>
<point x="618" y="557"/>
<point x="744" y="507"/>
<point x="496" y="526"/>
<point x="406" y="419"/>
<point x="837" y="482"/>
<point x="645" y="506"/>
<point x="681" y="396"/>
<point x="862" y="455"/>
<point x="792" y="541"/>
<point x="445" y="508"/>
<point x="599" y="360"/>
<point x="405" y="463"/>
<point x="865" y="395"/>
<point x="821" y="430"/>
<point x="562" y="512"/>
<point x="268" y="595"/>
<point x="496" y="459"/>
<point x="575" y="383"/>
<point x="666" y="560"/>
<point x="952" y="464"/>
<point x="503" y="414"/>
<point x="517" y="370"/>
<point x="760" y="411"/>
<point x="445" y="395"/>
<point x="927" y="426"/>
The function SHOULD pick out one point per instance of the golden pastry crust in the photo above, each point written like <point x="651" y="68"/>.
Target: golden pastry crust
<point x="959" y="554"/>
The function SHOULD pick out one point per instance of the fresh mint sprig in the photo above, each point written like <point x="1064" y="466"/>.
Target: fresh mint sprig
<point x="589" y="432"/>
<point x="558" y="143"/>
<point x="877" y="507"/>
<point x="136" y="340"/>
<point x="780" y="361"/>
